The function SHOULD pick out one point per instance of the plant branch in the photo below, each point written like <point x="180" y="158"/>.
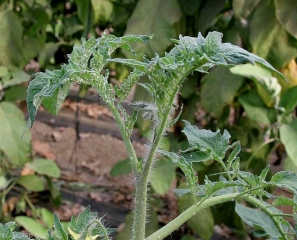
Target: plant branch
<point x="129" y="147"/>
<point x="190" y="212"/>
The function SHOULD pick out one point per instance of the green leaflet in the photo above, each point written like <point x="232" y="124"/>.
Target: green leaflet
<point x="258" y="220"/>
<point x="214" y="144"/>
<point x="285" y="179"/>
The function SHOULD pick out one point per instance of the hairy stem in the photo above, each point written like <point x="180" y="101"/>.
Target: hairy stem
<point x="138" y="230"/>
<point x="129" y="147"/>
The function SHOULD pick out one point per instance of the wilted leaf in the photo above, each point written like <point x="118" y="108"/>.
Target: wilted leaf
<point x="44" y="167"/>
<point x="12" y="125"/>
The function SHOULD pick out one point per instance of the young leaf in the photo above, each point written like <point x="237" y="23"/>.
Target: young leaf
<point x="233" y="154"/>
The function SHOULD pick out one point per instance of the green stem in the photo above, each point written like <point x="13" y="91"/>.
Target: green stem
<point x="205" y="203"/>
<point x="190" y="212"/>
<point x="138" y="230"/>
<point x="129" y="147"/>
<point x="7" y="190"/>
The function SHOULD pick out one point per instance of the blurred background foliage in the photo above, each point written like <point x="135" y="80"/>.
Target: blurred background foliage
<point x="38" y="34"/>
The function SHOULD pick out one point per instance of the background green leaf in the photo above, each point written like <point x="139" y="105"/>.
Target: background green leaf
<point x="288" y="136"/>
<point x="121" y="168"/>
<point x="270" y="40"/>
<point x="242" y="9"/>
<point x="12" y="125"/>
<point x="163" y="175"/>
<point x="44" y="167"/>
<point x="219" y="89"/>
<point x="201" y="223"/>
<point x="154" y="17"/>
<point x="32" y="226"/>
<point x="31" y="182"/>
<point x="286" y="15"/>
<point x="256" y="109"/>
<point x="11" y="31"/>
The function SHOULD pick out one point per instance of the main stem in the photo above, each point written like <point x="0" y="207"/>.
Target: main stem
<point x="138" y="230"/>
